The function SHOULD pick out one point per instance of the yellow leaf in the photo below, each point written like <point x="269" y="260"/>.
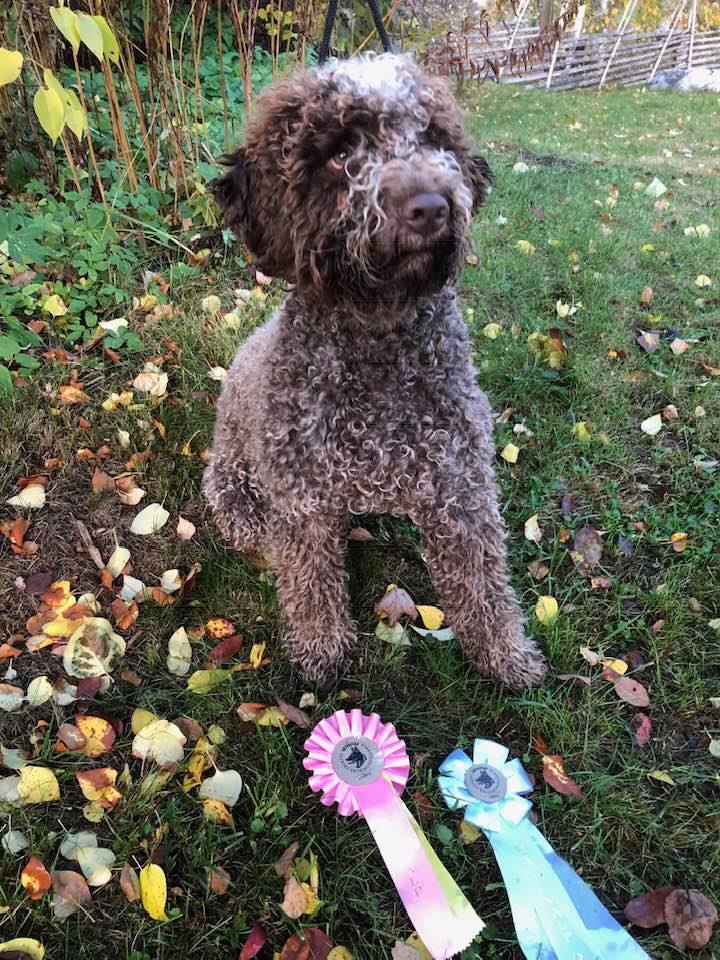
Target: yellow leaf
<point x="432" y="617"/>
<point x="216" y="812"/>
<point x="272" y="717"/>
<point x="54" y="306"/>
<point x="663" y="776"/>
<point x="492" y="331"/>
<point x="38" y="785"/>
<point x="66" y="22"/>
<point x="582" y="430"/>
<point x="33" y="948"/>
<point x="50" y="111"/>
<point x="532" y="529"/>
<point x="618" y="666"/>
<point x="546" y="610"/>
<point x="110" y="45"/>
<point x="90" y="34"/>
<point x="140" y="719"/>
<point x="414" y="941"/>
<point x="468" y="833"/>
<point x="203" y="681"/>
<point x="524" y="246"/>
<point x="153" y="890"/>
<point x="75" y="116"/>
<point x="510" y="453"/>
<point x="201" y="759"/>
<point x="256" y="654"/>
<point x="562" y="309"/>
<point x="11" y="62"/>
<point x="339" y="953"/>
<point x="703" y="281"/>
<point x="679" y="541"/>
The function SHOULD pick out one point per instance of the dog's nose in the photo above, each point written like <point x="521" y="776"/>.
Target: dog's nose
<point x="426" y="213"/>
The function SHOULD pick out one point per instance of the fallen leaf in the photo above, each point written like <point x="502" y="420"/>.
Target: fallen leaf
<point x="652" y="425"/>
<point x="153" y="891"/>
<point x="38" y="785"/>
<point x="130" y="883"/>
<point x="491" y="330"/>
<point x="70" y="892"/>
<point x="210" y="304"/>
<point x="95" y="863"/>
<point x="179" y="653"/>
<point x="648" y="910"/>
<point x="587" y="550"/>
<point x="35" y="878"/>
<point x="92" y="648"/>
<point x="216" y="812"/>
<point x="226" y="649"/>
<point x="98" y="786"/>
<point x="224" y="786"/>
<point x="11" y="697"/>
<point x="294" y="714"/>
<point x="151" y="519"/>
<point x="257" y="938"/>
<point x="395" y="604"/>
<point x="532" y="529"/>
<point x="510" y="453"/>
<point x="703" y="281"/>
<point x="663" y="776"/>
<point x="646" y="296"/>
<point x="690" y="917"/>
<point x="574" y="676"/>
<point x="538" y="570"/>
<point x="98" y="734"/>
<point x="205" y="681"/>
<point x="404" y="951"/>
<point x="679" y="542"/>
<point x="160" y="741"/>
<point x="217" y="628"/>
<point x="641" y="728"/>
<point x="670" y="412"/>
<point x="311" y="944"/>
<point x="360" y="535"/>
<point x="546" y="610"/>
<point x="72" y="393"/>
<point x="679" y="346"/>
<point x="31" y="497"/>
<point x="432" y="617"/>
<point x="151" y="380"/>
<point x="285" y="861"/>
<point x="554" y="775"/>
<point x="649" y="341"/>
<point x="185" y="529"/>
<point x="218" y="880"/>
<point x="631" y="691"/>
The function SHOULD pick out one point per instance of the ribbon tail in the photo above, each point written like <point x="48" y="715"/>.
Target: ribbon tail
<point x="414" y="875"/>
<point x="466" y="923"/>
<point x="556" y="915"/>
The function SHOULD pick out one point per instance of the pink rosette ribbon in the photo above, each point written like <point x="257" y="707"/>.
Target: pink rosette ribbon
<point x="360" y="763"/>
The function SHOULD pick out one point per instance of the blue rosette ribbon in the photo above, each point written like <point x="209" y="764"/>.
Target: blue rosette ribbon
<point x="556" y="915"/>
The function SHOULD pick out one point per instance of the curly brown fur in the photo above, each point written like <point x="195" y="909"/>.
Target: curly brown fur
<point x="356" y="184"/>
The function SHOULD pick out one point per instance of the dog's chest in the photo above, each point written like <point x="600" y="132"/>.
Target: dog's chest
<point x="375" y="426"/>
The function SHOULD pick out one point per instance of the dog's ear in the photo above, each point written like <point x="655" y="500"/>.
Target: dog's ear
<point x="232" y="190"/>
<point x="481" y="180"/>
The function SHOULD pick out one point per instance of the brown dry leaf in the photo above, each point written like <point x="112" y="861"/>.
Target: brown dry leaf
<point x="679" y="346"/>
<point x="574" y="676"/>
<point x="293" y="714"/>
<point x="98" y="733"/>
<point x="217" y="628"/>
<point x="35" y="878"/>
<point x="641" y="728"/>
<point x="129" y="883"/>
<point x="311" y="944"/>
<point x="554" y="775"/>
<point x="128" y="491"/>
<point x="226" y="649"/>
<point x="283" y="864"/>
<point x="72" y="393"/>
<point x="646" y="296"/>
<point x="101" y="481"/>
<point x="295" y="900"/>
<point x="70" y="891"/>
<point x="649" y="341"/>
<point x="424" y="807"/>
<point x="538" y="570"/>
<point x="648" y="910"/>
<point x="98" y="786"/>
<point x="124" y="615"/>
<point x="587" y="550"/>
<point x="219" y="880"/>
<point x="395" y="604"/>
<point x="690" y="917"/>
<point x="600" y="583"/>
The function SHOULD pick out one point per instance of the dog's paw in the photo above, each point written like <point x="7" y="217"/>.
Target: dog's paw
<point x="528" y="672"/>
<point x="513" y="658"/>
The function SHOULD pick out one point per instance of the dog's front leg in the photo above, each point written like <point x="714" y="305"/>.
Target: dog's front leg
<point x="465" y="554"/>
<point x="307" y="554"/>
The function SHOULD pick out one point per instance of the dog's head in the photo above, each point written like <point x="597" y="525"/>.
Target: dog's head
<point x="356" y="183"/>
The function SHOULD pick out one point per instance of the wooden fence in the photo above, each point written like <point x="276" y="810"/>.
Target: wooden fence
<point x="621" y="58"/>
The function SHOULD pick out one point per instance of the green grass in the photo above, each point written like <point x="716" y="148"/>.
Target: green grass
<point x="630" y="833"/>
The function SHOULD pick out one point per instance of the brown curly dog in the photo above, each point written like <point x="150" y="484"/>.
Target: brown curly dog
<point x="356" y="185"/>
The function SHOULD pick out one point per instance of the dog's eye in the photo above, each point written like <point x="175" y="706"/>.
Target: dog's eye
<point x="337" y="162"/>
